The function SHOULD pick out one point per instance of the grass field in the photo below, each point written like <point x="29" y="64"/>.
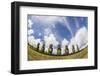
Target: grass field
<point x="34" y="55"/>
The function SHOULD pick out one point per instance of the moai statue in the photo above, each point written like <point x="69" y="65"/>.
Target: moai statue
<point x="66" y="50"/>
<point x="50" y="49"/>
<point x="38" y="45"/>
<point x="43" y="48"/>
<point x="59" y="50"/>
<point x="77" y="48"/>
<point x="73" y="48"/>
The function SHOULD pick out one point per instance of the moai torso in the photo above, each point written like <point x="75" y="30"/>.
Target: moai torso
<point x="59" y="50"/>
<point x="73" y="48"/>
<point x="43" y="48"/>
<point x="50" y="49"/>
<point x="38" y="45"/>
<point x="66" y="50"/>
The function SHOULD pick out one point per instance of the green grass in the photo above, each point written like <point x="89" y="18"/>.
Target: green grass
<point x="34" y="55"/>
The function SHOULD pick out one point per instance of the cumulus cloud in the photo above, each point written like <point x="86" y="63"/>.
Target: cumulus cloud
<point x="32" y="41"/>
<point x="80" y="39"/>
<point x="47" y="31"/>
<point x="30" y="31"/>
<point x="30" y="23"/>
<point x="65" y="42"/>
<point x="38" y="40"/>
<point x="51" y="39"/>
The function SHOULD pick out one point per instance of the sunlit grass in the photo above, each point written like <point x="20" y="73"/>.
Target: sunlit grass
<point x="35" y="55"/>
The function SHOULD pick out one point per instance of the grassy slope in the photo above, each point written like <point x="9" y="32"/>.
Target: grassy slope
<point x="34" y="55"/>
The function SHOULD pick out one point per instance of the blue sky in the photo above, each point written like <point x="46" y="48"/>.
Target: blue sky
<point x="62" y="27"/>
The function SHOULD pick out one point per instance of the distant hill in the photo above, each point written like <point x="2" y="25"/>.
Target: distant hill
<point x="34" y="55"/>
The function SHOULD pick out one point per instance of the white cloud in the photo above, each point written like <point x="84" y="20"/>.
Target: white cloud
<point x="65" y="42"/>
<point x="47" y="31"/>
<point x="50" y="40"/>
<point x="30" y="23"/>
<point x="38" y="41"/>
<point x="30" y="31"/>
<point x="32" y="41"/>
<point x="80" y="39"/>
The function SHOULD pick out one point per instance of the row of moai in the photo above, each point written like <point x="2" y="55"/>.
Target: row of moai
<point x="50" y="49"/>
